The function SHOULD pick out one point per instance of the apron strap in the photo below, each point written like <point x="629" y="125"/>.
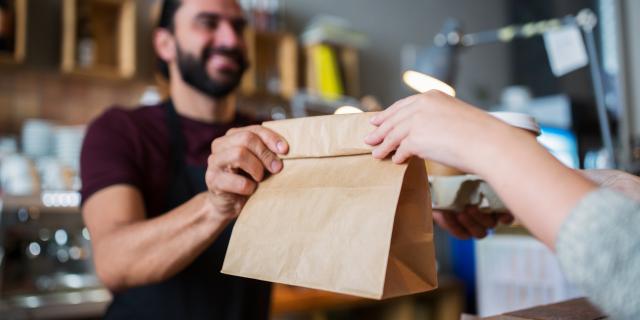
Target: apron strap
<point x="178" y="146"/>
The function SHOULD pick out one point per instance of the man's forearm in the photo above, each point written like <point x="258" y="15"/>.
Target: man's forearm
<point x="153" y="250"/>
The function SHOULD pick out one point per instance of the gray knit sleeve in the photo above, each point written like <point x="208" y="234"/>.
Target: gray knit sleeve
<point x="599" y="250"/>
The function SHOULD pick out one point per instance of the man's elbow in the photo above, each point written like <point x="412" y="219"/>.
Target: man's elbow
<point x="121" y="277"/>
<point x="107" y="275"/>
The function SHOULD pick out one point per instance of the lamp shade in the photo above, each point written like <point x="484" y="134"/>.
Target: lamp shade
<point x="422" y="83"/>
<point x="436" y="65"/>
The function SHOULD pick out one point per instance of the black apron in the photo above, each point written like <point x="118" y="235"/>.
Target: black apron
<point x="200" y="291"/>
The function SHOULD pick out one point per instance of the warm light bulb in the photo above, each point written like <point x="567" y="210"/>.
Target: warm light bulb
<point x="347" y="110"/>
<point x="423" y="83"/>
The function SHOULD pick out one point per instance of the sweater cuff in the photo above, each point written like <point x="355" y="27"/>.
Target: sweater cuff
<point x="595" y="246"/>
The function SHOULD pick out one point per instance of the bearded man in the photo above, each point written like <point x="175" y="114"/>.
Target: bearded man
<point x="162" y="185"/>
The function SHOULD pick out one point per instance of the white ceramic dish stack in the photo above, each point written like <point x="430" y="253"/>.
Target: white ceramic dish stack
<point x="67" y="144"/>
<point x="17" y="176"/>
<point x="36" y="137"/>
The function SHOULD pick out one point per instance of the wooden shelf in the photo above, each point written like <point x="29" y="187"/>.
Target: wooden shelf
<point x="289" y="299"/>
<point x="274" y="64"/>
<point x="15" y="20"/>
<point x="99" y="38"/>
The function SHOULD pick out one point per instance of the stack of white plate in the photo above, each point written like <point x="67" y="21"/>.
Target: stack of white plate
<point x="8" y="145"/>
<point x="17" y="176"/>
<point x="36" y="137"/>
<point x="51" y="174"/>
<point x="68" y="144"/>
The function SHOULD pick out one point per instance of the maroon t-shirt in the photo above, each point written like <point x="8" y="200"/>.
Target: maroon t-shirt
<point x="132" y="146"/>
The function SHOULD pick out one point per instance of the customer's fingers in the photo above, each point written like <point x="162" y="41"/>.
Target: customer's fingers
<point x="381" y="117"/>
<point x="393" y="122"/>
<point x="403" y="153"/>
<point x="391" y="142"/>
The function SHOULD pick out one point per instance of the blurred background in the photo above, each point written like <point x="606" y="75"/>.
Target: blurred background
<point x="63" y="62"/>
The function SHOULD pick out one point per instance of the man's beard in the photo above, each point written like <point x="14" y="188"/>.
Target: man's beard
<point x="194" y="71"/>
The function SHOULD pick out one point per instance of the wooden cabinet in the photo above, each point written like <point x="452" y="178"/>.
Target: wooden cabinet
<point x="274" y="64"/>
<point x="99" y="38"/>
<point x="13" y="31"/>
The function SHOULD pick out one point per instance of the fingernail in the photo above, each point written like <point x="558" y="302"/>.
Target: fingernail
<point x="375" y="153"/>
<point x="280" y="146"/>
<point x="373" y="119"/>
<point x="276" y="166"/>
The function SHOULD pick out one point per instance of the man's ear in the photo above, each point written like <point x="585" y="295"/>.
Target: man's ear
<point x="165" y="45"/>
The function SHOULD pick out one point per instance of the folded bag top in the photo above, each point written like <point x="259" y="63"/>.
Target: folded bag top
<point x="335" y="218"/>
<point x="325" y="136"/>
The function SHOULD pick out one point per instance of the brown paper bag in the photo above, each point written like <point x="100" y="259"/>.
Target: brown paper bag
<point x="335" y="218"/>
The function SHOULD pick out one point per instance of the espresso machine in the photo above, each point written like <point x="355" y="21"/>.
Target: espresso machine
<point x="45" y="257"/>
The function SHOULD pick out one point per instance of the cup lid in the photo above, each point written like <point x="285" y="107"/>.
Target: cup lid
<point x="519" y="120"/>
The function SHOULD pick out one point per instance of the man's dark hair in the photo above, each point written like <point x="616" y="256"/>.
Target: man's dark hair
<point x="166" y="21"/>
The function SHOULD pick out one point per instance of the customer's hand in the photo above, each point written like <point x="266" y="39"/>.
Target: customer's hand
<point x="471" y="222"/>
<point x="438" y="127"/>
<point x="237" y="164"/>
<point x="441" y="128"/>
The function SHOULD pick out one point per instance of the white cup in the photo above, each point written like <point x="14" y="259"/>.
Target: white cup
<point x="452" y="192"/>
<point x="519" y="120"/>
<point x="515" y="119"/>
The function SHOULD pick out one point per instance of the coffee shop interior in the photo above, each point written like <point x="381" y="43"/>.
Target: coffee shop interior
<point x="572" y="65"/>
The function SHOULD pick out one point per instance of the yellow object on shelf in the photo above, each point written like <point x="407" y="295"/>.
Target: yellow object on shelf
<point x="327" y="72"/>
<point x="273" y="64"/>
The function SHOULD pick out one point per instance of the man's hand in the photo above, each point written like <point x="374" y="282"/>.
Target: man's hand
<point x="470" y="222"/>
<point x="237" y="164"/>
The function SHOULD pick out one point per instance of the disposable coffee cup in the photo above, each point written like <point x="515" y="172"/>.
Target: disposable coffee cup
<point x="519" y="120"/>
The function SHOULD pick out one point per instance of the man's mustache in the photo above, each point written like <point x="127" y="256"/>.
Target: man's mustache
<point x="232" y="53"/>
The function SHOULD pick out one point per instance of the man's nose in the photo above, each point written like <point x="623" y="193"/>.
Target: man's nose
<point x="227" y="36"/>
